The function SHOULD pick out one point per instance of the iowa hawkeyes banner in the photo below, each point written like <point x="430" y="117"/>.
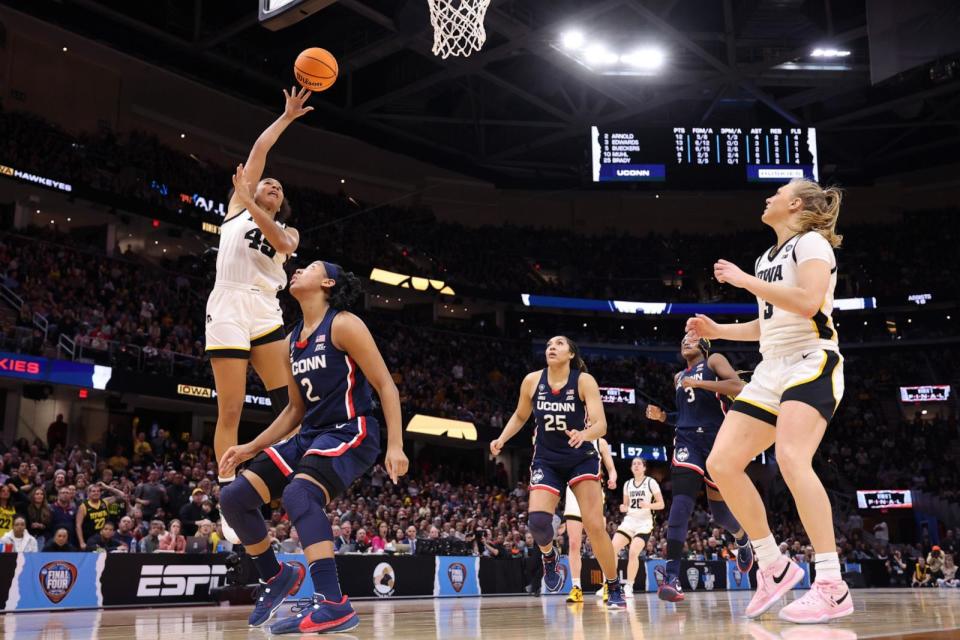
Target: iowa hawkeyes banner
<point x="56" y="581"/>
<point x="457" y="576"/>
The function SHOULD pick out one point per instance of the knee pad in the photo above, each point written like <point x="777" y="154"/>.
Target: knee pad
<point x="723" y="516"/>
<point x="279" y="398"/>
<point x="304" y="502"/>
<point x="540" y="524"/>
<point x="240" y="504"/>
<point x="679" y="518"/>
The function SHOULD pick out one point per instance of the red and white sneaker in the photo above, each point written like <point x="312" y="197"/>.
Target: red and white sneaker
<point x="826" y="601"/>
<point x="772" y="584"/>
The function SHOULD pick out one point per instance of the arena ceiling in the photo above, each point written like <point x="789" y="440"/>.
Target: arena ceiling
<point x="518" y="112"/>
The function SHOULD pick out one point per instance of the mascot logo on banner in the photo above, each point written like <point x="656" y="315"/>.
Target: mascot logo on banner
<point x="693" y="577"/>
<point x="457" y="572"/>
<point x="384" y="580"/>
<point x="57" y="579"/>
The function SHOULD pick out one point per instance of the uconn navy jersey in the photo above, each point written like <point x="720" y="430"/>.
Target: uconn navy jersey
<point x="333" y="387"/>
<point x="556" y="411"/>
<point x="699" y="408"/>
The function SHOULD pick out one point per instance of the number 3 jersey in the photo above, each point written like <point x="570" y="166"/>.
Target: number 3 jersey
<point x="246" y="258"/>
<point x="333" y="388"/>
<point x="699" y="408"/>
<point x="556" y="411"/>
<point x="784" y="333"/>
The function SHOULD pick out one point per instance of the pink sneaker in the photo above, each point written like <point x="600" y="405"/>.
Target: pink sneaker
<point x="772" y="584"/>
<point x="824" y="602"/>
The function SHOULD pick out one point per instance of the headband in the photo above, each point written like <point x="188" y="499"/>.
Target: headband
<point x="333" y="271"/>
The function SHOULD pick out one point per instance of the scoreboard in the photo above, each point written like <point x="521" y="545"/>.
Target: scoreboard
<point x="698" y="157"/>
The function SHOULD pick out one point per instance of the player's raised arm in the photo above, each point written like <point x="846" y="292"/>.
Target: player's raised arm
<point x="728" y="382"/>
<point x="520" y="415"/>
<point x="703" y="327"/>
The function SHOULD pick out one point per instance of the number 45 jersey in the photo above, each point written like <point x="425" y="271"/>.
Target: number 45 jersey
<point x="243" y="310"/>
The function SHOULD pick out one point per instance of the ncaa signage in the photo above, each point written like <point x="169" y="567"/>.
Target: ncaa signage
<point x="48" y="581"/>
<point x="456" y="576"/>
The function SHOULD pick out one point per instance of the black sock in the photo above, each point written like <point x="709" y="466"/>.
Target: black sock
<point x="266" y="564"/>
<point x="743" y="540"/>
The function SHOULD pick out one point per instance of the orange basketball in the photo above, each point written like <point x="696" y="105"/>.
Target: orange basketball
<point x="316" y="69"/>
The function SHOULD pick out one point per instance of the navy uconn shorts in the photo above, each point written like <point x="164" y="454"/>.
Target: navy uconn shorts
<point x="691" y="447"/>
<point x="338" y="454"/>
<point x="553" y="473"/>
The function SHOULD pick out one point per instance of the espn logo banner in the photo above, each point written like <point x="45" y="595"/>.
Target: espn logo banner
<point x="178" y="580"/>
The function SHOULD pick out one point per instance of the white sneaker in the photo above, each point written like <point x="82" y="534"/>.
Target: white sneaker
<point x="599" y="592"/>
<point x="628" y="591"/>
<point x="228" y="531"/>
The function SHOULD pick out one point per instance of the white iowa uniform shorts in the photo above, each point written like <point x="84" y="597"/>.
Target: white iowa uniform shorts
<point x="240" y="317"/>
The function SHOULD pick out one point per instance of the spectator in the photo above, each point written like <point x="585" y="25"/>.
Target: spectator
<point x="344" y="542"/>
<point x="39" y="516"/>
<point x="64" y="514"/>
<point x="19" y="539"/>
<point x="379" y="542"/>
<point x="882" y="533"/>
<point x="192" y="512"/>
<point x="150" y="495"/>
<point x="949" y="578"/>
<point x="150" y="543"/>
<point x="362" y="545"/>
<point x="935" y="563"/>
<point x="57" y="433"/>
<point x="124" y="533"/>
<point x="60" y="542"/>
<point x="104" y="540"/>
<point x="896" y="570"/>
<point x="7" y="510"/>
<point x="411" y="539"/>
<point x="921" y="577"/>
<point x="205" y="532"/>
<point x="172" y="540"/>
<point x="92" y="515"/>
<point x="292" y="543"/>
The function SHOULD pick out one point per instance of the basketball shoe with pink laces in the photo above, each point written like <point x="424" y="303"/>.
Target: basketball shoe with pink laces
<point x="826" y="601"/>
<point x="772" y="584"/>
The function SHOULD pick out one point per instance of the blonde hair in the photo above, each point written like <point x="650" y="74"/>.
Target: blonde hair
<point x="821" y="209"/>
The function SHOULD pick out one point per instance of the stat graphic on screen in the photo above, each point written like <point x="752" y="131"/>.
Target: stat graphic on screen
<point x="693" y="157"/>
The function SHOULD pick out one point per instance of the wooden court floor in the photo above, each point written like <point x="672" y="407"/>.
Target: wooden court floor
<point x="881" y="613"/>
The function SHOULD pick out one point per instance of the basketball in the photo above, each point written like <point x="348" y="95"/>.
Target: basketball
<point x="316" y="69"/>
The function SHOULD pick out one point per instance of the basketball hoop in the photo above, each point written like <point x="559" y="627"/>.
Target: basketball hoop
<point x="457" y="26"/>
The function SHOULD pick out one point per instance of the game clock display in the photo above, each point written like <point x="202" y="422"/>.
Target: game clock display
<point x="698" y="157"/>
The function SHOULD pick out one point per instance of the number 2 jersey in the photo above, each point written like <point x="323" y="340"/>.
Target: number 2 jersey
<point x="246" y="258"/>
<point x="783" y="333"/>
<point x="555" y="411"/>
<point x="333" y="388"/>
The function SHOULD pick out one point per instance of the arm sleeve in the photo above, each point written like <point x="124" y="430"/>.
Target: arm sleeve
<point x="813" y="246"/>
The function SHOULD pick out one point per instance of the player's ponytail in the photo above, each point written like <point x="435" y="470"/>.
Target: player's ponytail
<point x="577" y="362"/>
<point x="821" y="209"/>
<point x="347" y="290"/>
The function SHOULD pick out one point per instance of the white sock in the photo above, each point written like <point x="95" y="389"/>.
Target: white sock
<point x="576" y="582"/>
<point x="767" y="551"/>
<point x="828" y="567"/>
<point x="225" y="480"/>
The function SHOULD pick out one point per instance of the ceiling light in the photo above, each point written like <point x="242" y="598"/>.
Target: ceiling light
<point x="647" y="58"/>
<point x="572" y="39"/>
<point x="598" y="54"/>
<point x="821" y="52"/>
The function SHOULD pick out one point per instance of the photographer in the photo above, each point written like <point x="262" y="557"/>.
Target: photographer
<point x="896" y="570"/>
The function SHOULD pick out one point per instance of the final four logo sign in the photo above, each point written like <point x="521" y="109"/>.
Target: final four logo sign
<point x="457" y="572"/>
<point x="57" y="579"/>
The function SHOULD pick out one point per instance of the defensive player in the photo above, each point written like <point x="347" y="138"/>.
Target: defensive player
<point x="792" y="396"/>
<point x="244" y="322"/>
<point x="561" y="396"/>
<point x="573" y="523"/>
<point x="334" y="362"/>
<point x="702" y="391"/>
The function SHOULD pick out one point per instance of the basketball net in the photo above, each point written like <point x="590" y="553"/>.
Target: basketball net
<point x="457" y="26"/>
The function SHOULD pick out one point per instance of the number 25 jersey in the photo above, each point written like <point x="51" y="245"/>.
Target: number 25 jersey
<point x="556" y="411"/>
<point x="246" y="258"/>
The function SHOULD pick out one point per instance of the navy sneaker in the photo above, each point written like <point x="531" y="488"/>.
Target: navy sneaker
<point x="670" y="589"/>
<point x="271" y="594"/>
<point x="615" y="597"/>
<point x="745" y="557"/>
<point x="552" y="579"/>
<point x="317" y="615"/>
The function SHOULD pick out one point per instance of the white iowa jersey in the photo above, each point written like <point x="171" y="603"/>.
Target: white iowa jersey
<point x="635" y="493"/>
<point x="782" y="332"/>
<point x="246" y="258"/>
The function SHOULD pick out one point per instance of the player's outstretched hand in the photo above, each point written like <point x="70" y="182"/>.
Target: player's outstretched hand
<point x="235" y="455"/>
<point x="575" y="437"/>
<point x="703" y="327"/>
<point x="295" y="100"/>
<point x="726" y="271"/>
<point x="656" y="413"/>
<point x="396" y="463"/>
<point x="496" y="447"/>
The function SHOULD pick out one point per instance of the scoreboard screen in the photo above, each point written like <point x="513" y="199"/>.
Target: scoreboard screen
<point x="885" y="499"/>
<point x="618" y="395"/>
<point x="698" y="157"/>
<point x="926" y="393"/>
